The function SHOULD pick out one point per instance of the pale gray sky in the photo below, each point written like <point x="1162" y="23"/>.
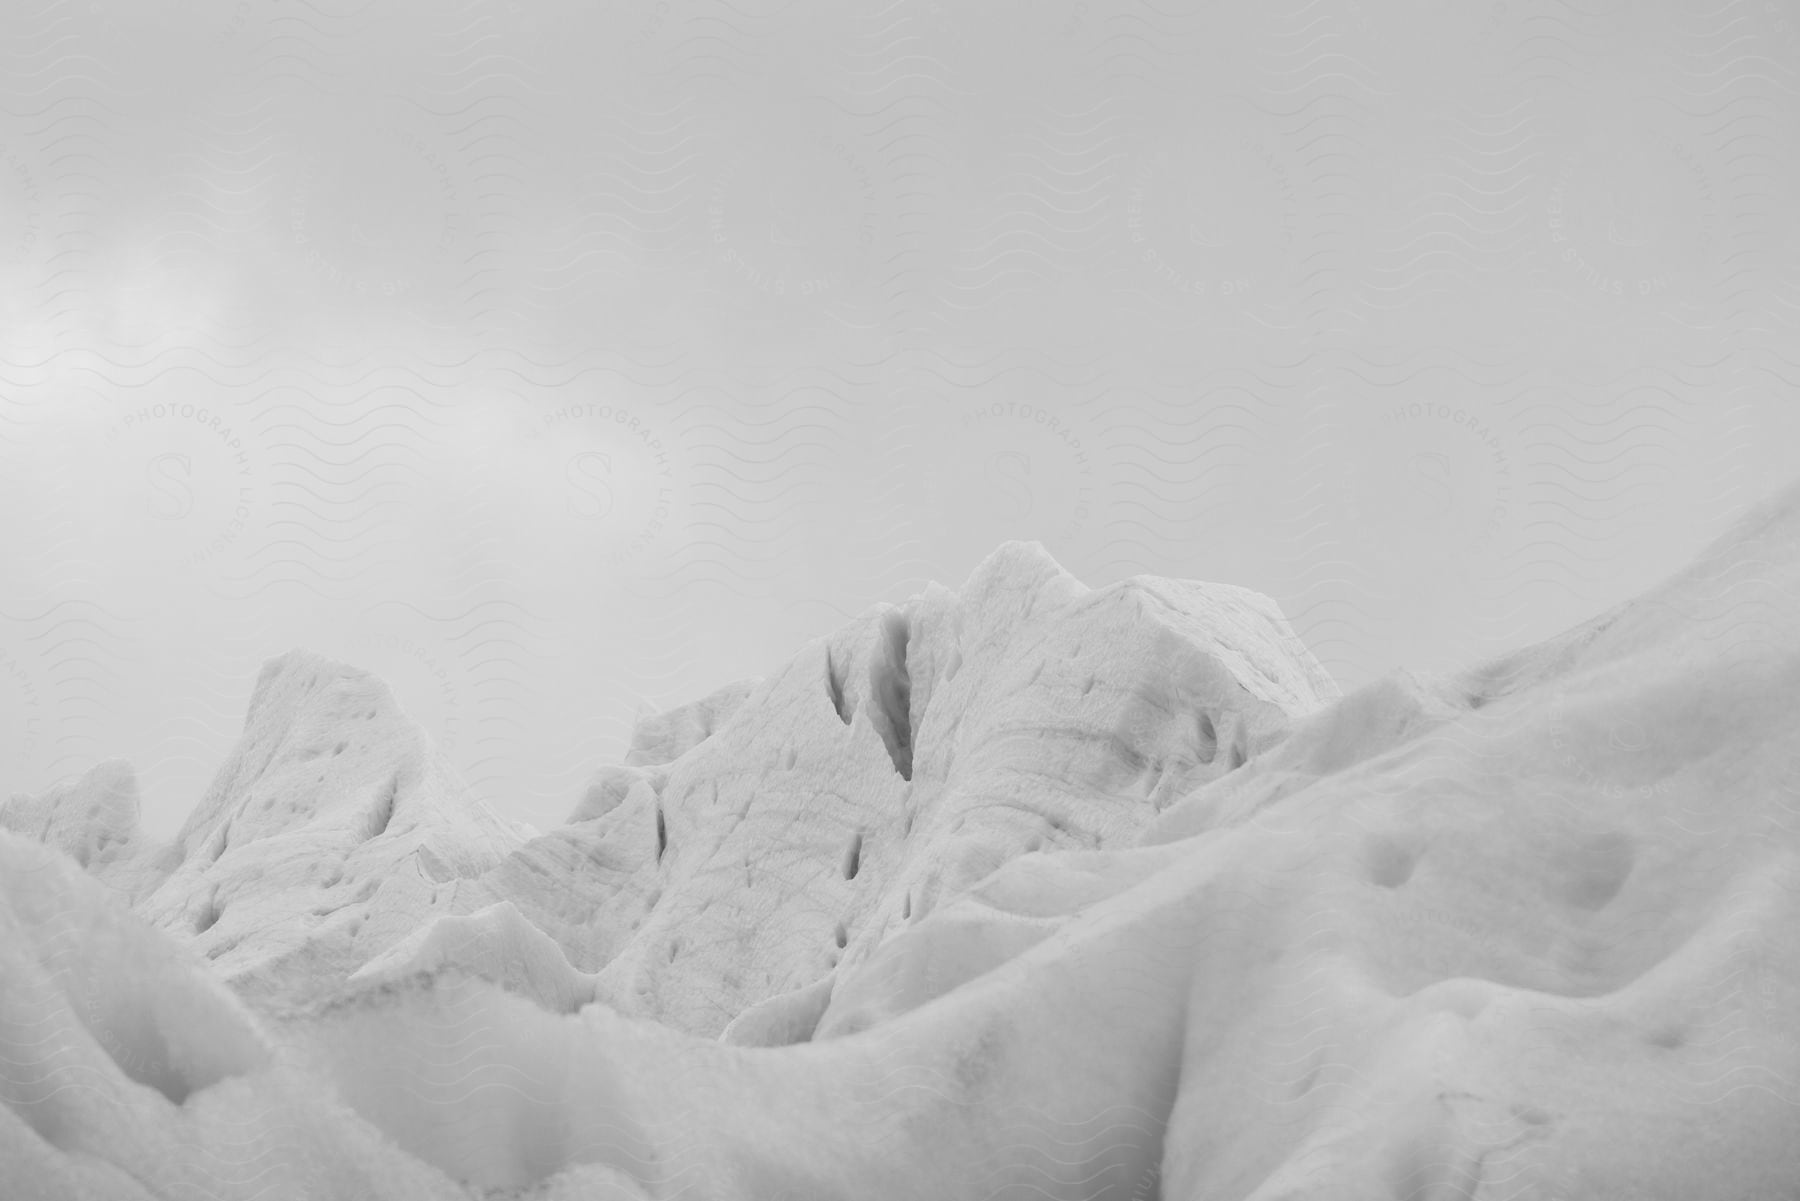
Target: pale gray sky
<point x="556" y="364"/>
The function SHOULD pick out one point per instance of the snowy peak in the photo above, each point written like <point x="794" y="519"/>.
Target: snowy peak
<point x="93" y="819"/>
<point x="332" y="808"/>
<point x="1017" y="576"/>
<point x="892" y="764"/>
<point x="322" y="741"/>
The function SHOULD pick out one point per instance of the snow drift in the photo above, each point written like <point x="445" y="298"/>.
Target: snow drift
<point x="1026" y="891"/>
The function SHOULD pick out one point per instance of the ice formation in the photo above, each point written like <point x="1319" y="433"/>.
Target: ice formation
<point x="1022" y="891"/>
<point x="324" y="836"/>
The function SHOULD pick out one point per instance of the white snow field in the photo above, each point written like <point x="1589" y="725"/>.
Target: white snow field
<point x="1024" y="892"/>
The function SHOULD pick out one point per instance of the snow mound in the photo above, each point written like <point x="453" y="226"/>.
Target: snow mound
<point x="498" y="944"/>
<point x="1034" y="891"/>
<point x="128" y="1072"/>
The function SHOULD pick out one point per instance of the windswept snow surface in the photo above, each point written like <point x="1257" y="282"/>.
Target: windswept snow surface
<point x="1027" y="891"/>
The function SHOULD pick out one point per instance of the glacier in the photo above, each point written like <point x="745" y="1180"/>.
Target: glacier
<point x="1022" y="890"/>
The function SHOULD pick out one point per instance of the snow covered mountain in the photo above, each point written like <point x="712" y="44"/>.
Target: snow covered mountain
<point x="1026" y="890"/>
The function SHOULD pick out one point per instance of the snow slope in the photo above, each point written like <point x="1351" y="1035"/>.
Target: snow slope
<point x="1526" y="931"/>
<point x="128" y="1070"/>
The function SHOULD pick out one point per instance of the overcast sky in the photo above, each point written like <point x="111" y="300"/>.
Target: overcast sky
<point x="558" y="365"/>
